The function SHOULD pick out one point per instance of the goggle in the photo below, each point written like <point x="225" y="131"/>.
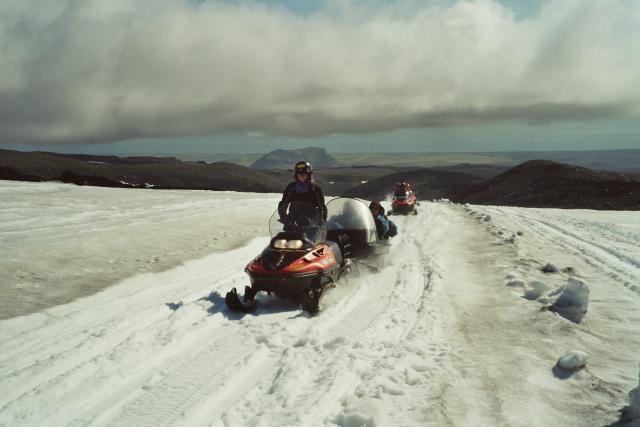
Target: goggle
<point x="301" y="168"/>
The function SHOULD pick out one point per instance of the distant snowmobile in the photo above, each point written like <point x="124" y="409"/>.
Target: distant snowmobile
<point x="404" y="201"/>
<point x="305" y="255"/>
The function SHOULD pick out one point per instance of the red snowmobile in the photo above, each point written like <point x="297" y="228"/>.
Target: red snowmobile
<point x="404" y="201"/>
<point x="305" y="255"/>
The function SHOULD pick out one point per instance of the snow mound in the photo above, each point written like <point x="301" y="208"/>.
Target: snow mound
<point x="535" y="290"/>
<point x="572" y="300"/>
<point x="354" y="420"/>
<point x="573" y="360"/>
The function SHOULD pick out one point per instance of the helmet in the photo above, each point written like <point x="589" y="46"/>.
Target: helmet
<point x="402" y="187"/>
<point x="302" y="167"/>
<point x="375" y="205"/>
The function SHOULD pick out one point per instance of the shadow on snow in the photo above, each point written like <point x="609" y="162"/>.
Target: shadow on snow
<point x="264" y="305"/>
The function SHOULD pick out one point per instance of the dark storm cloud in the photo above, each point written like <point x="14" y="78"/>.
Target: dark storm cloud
<point x="93" y="71"/>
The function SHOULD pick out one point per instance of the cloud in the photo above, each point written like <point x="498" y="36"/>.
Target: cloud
<point x="96" y="71"/>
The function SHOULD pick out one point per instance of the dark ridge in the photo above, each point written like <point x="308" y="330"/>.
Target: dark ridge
<point x="141" y="172"/>
<point x="337" y="181"/>
<point x="97" y="181"/>
<point x="427" y="183"/>
<point x="536" y="183"/>
<point x="171" y="173"/>
<point x="10" y="174"/>
<point x="547" y="184"/>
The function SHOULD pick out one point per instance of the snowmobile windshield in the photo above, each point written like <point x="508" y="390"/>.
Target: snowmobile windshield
<point x="303" y="218"/>
<point x="400" y="195"/>
<point x="349" y="214"/>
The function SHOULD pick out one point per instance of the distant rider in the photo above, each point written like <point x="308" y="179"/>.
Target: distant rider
<point x="303" y="189"/>
<point x="385" y="227"/>
<point x="403" y="189"/>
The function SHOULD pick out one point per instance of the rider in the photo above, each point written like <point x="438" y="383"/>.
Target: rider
<point x="403" y="189"/>
<point x="303" y="189"/>
<point x="385" y="227"/>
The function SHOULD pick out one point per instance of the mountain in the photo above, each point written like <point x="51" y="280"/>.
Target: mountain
<point x="285" y="159"/>
<point x="547" y="184"/>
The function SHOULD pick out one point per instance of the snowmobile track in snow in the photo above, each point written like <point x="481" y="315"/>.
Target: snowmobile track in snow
<point x="433" y="337"/>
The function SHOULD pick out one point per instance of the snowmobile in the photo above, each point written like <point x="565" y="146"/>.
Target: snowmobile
<point x="404" y="201"/>
<point x="306" y="255"/>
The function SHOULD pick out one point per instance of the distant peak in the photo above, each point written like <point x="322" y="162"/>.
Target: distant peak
<point x="284" y="159"/>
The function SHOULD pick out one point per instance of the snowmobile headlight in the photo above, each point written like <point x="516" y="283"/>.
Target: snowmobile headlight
<point x="280" y="244"/>
<point x="287" y="244"/>
<point x="294" y="244"/>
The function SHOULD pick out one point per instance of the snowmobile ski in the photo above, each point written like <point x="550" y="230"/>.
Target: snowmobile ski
<point x="233" y="302"/>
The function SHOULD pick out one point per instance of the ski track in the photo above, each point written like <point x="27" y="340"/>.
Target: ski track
<point x="130" y="337"/>
<point x="362" y="335"/>
<point x="609" y="331"/>
<point x="148" y="365"/>
<point x="411" y="344"/>
<point x="607" y="259"/>
<point x="97" y="337"/>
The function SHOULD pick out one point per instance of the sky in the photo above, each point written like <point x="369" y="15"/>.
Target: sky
<point x="353" y="76"/>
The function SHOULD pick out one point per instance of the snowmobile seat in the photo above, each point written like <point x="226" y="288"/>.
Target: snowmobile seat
<point x="356" y="237"/>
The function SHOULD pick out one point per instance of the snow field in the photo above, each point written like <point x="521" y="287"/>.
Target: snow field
<point x="594" y="247"/>
<point x="124" y="357"/>
<point x="433" y="338"/>
<point x="59" y="242"/>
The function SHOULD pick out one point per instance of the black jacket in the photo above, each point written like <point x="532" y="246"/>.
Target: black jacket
<point x="314" y="195"/>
